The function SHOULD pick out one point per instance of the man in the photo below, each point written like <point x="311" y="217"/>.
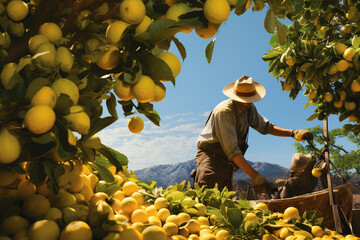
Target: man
<point x="223" y="141"/>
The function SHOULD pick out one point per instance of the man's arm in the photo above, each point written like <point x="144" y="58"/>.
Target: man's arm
<point x="299" y="135"/>
<point x="280" y="132"/>
<point x="240" y="161"/>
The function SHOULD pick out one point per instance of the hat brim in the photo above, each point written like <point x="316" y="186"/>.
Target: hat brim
<point x="260" y="93"/>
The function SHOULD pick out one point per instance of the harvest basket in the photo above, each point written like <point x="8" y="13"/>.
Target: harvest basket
<point x="318" y="201"/>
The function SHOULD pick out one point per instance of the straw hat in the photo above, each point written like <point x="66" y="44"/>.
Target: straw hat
<point x="245" y="90"/>
<point x="300" y="161"/>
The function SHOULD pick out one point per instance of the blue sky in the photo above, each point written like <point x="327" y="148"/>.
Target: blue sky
<point x="239" y="47"/>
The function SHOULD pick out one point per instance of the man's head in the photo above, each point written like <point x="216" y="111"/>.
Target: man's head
<point x="245" y="90"/>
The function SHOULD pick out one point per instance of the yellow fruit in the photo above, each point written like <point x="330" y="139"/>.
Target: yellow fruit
<point x="138" y="197"/>
<point x="13" y="224"/>
<point x="154" y="233"/>
<point x="350" y="106"/>
<point x="46" y="55"/>
<point x="291" y="213"/>
<point x="208" y="236"/>
<point x="349" y="53"/>
<point x="160" y="92"/>
<point x="207" y="32"/>
<point x="97" y="197"/>
<point x="39" y="119"/>
<point x="170" y="228"/>
<point x="353" y="118"/>
<point x="174" y="219"/>
<point x="346" y="29"/>
<point x="184" y="217"/>
<point x="36" y="41"/>
<point x="35" y="206"/>
<point x="76" y="183"/>
<point x="194" y="237"/>
<point x="355" y="86"/>
<point x="128" y="205"/>
<point x="115" y="30"/>
<point x="332" y="69"/>
<point x="7" y="176"/>
<point x="135" y="124"/>
<point x="222" y="234"/>
<point x="163" y="214"/>
<point x="290" y="61"/>
<point x="317" y="231"/>
<point x="172" y="61"/>
<point x="52" y="31"/>
<point x="64" y="199"/>
<point x="78" y="120"/>
<point x="251" y="217"/>
<point x="338" y="104"/>
<point x="285" y="232"/>
<point x="102" y="10"/>
<point x="44" y="229"/>
<point x="316" y="172"/>
<point x="322" y="30"/>
<point x="123" y="90"/>
<point x="204" y="221"/>
<point x="64" y="58"/>
<point x="161" y="202"/>
<point x="129" y="234"/>
<point x="139" y="215"/>
<point x="92" y="44"/>
<point x="340" y="48"/>
<point x="216" y="11"/>
<point x="151" y="210"/>
<point x="176" y="10"/>
<point x="143" y="26"/>
<point x="342" y="65"/>
<point x="109" y="59"/>
<point x="342" y="95"/>
<point x="45" y="96"/>
<point x="17" y="29"/>
<point x="7" y="72"/>
<point x="119" y="195"/>
<point x="17" y="10"/>
<point x="193" y="226"/>
<point x="287" y="86"/>
<point x="54" y="214"/>
<point x="132" y="11"/>
<point x="328" y="97"/>
<point x="10" y="147"/>
<point x="154" y="220"/>
<point x="129" y="188"/>
<point x="67" y="87"/>
<point x="76" y="230"/>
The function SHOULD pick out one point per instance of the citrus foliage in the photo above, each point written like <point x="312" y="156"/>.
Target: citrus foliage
<point x="320" y="55"/>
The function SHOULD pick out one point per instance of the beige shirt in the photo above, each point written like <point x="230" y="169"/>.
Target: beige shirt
<point x="221" y="126"/>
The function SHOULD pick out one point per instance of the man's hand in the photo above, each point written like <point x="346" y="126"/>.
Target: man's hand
<point x="300" y="135"/>
<point x="260" y="184"/>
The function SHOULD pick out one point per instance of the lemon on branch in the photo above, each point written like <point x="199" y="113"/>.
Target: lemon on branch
<point x="349" y="53"/>
<point x="45" y="55"/>
<point x="216" y="11"/>
<point x="36" y="41"/>
<point x="67" y="87"/>
<point x="7" y="73"/>
<point x="17" y="10"/>
<point x="44" y="96"/>
<point x="172" y="61"/>
<point x="132" y="11"/>
<point x="123" y="90"/>
<point x="144" y="89"/>
<point x="78" y="120"/>
<point x="52" y="31"/>
<point x="143" y="26"/>
<point x="64" y="58"/>
<point x="109" y="59"/>
<point x="39" y="119"/>
<point x="207" y="32"/>
<point x="160" y="92"/>
<point x="115" y="30"/>
<point x="10" y="147"/>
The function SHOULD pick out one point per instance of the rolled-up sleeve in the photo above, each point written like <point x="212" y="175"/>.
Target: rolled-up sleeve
<point x="225" y="130"/>
<point x="259" y="122"/>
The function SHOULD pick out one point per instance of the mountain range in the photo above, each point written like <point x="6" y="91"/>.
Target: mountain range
<point x="170" y="174"/>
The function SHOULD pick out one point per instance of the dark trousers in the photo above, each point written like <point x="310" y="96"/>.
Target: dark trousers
<point x="212" y="168"/>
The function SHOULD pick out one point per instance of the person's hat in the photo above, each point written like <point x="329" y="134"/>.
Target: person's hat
<point x="300" y="161"/>
<point x="245" y="90"/>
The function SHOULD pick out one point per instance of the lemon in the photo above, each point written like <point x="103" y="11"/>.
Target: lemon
<point x="132" y="11"/>
<point x="340" y="48"/>
<point x="17" y="10"/>
<point x="177" y="10"/>
<point x="92" y="44"/>
<point x="342" y="65"/>
<point x="353" y="118"/>
<point x="35" y="206"/>
<point x="207" y="32"/>
<point x="129" y="188"/>
<point x="64" y="199"/>
<point x="109" y="59"/>
<point x="222" y="234"/>
<point x="144" y="90"/>
<point x="251" y="217"/>
<point x="328" y="97"/>
<point x="119" y="195"/>
<point x="123" y="90"/>
<point x="135" y="124"/>
<point x="170" y="228"/>
<point x="154" y="233"/>
<point x="52" y="31"/>
<point x="262" y="206"/>
<point x="184" y="217"/>
<point x="163" y="214"/>
<point x="332" y="69"/>
<point x="78" y="120"/>
<point x="44" y="229"/>
<point x="350" y="106"/>
<point x="130" y="234"/>
<point x="7" y="176"/>
<point x="53" y="214"/>
<point x="39" y="119"/>
<point x="339" y="104"/>
<point x="17" y="29"/>
<point x="46" y="55"/>
<point x="161" y="202"/>
<point x="287" y="86"/>
<point x="193" y="226"/>
<point x="76" y="183"/>
<point x="172" y="61"/>
<point x="204" y="221"/>
<point x="102" y="10"/>
<point x="317" y="231"/>
<point x="139" y="215"/>
<point x="128" y="205"/>
<point x="45" y="96"/>
<point x="10" y="147"/>
<point x="64" y="58"/>
<point x="7" y="73"/>
<point x="170" y="2"/>
<point x="115" y="31"/>
<point x="143" y="26"/>
<point x="13" y="224"/>
<point x="216" y="11"/>
<point x="208" y="236"/>
<point x="76" y="230"/>
<point x="316" y="172"/>
<point x="291" y="213"/>
<point x="349" y="53"/>
<point x="355" y="86"/>
<point x="174" y="219"/>
<point x="67" y="87"/>
<point x="36" y="41"/>
<point x="201" y="209"/>
<point x="194" y="237"/>
<point x="137" y="196"/>
<point x="151" y="210"/>
<point x="342" y="95"/>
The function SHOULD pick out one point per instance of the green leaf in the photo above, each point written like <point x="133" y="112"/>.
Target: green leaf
<point x="159" y="31"/>
<point x="154" y="117"/>
<point x="319" y="221"/>
<point x="270" y="21"/>
<point x="64" y="149"/>
<point x="214" y="211"/>
<point x="104" y="172"/>
<point x="309" y="215"/>
<point x="63" y="104"/>
<point x="312" y="117"/>
<point x="111" y="105"/>
<point x="274" y="41"/>
<point x="35" y="86"/>
<point x="37" y="172"/>
<point x="108" y="188"/>
<point x="98" y="125"/>
<point x="235" y="217"/>
<point x="175" y="196"/>
<point x="355" y="42"/>
<point x="114" y="157"/>
<point x="280" y="32"/>
<point x="209" y="50"/>
<point x="16" y="87"/>
<point x="180" y="47"/>
<point x="156" y="68"/>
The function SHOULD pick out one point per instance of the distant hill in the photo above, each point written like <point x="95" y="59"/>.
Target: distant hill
<point x="170" y="174"/>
